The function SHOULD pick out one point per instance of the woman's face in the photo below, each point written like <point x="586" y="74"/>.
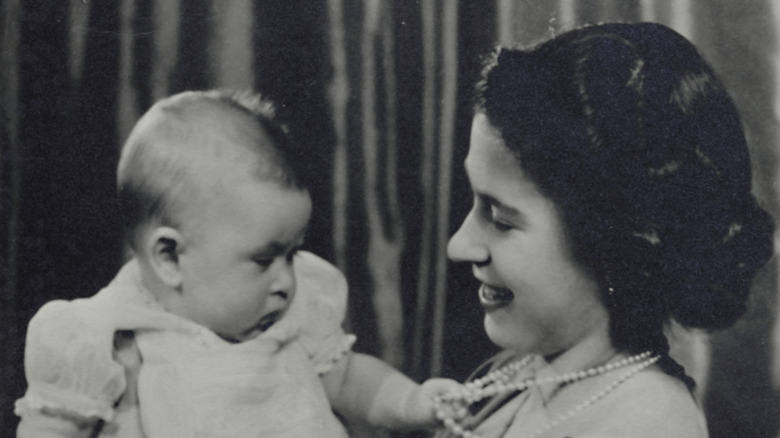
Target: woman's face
<point x="537" y="298"/>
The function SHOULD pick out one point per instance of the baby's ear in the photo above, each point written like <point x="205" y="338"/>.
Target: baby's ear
<point x="163" y="246"/>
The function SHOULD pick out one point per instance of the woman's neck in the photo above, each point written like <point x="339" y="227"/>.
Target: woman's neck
<point x="588" y="353"/>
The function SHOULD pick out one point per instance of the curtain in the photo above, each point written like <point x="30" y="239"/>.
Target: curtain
<point x="378" y="95"/>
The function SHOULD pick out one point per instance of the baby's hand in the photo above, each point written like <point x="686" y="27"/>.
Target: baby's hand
<point x="421" y="407"/>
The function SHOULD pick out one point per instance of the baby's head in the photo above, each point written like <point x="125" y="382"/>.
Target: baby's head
<point x="213" y="209"/>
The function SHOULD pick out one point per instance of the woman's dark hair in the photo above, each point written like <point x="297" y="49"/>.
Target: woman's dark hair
<point x="626" y="128"/>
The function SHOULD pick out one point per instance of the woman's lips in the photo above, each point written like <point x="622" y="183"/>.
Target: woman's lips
<point x="494" y="297"/>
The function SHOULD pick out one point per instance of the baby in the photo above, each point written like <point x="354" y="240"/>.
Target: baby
<point x="218" y="325"/>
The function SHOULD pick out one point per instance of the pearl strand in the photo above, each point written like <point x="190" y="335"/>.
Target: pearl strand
<point x="478" y="389"/>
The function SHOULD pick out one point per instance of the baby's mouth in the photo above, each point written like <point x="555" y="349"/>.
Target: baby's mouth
<point x="268" y="320"/>
<point x="264" y="324"/>
<point x="494" y="297"/>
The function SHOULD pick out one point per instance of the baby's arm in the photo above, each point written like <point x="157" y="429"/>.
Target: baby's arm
<point x="40" y="425"/>
<point x="45" y="424"/>
<point x="364" y="387"/>
<point x="358" y="386"/>
<point x="73" y="377"/>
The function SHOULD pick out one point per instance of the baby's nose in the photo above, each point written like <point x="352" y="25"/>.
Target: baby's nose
<point x="283" y="295"/>
<point x="284" y="284"/>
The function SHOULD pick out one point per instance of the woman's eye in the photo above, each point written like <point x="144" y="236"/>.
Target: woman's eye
<point x="501" y="226"/>
<point x="488" y="214"/>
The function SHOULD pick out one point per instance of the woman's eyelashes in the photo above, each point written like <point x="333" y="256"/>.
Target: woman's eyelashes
<point x="488" y="213"/>
<point x="497" y="222"/>
<point x="500" y="225"/>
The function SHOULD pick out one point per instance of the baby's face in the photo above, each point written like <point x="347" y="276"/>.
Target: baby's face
<point x="237" y="263"/>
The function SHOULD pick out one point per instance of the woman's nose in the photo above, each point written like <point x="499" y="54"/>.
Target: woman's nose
<point x="465" y="245"/>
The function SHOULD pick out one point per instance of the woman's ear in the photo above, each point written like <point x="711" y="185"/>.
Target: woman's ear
<point x="163" y="247"/>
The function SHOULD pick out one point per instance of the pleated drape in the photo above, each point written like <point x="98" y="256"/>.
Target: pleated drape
<point x="378" y="95"/>
<point x="10" y="200"/>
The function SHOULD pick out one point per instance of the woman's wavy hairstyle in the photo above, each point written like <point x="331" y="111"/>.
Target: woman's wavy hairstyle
<point x="626" y="128"/>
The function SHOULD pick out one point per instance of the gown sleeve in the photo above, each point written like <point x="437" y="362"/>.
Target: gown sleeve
<point x="69" y="364"/>
<point x="322" y="291"/>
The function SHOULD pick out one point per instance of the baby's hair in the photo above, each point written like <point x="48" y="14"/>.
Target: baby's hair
<point x="628" y="130"/>
<point x="158" y="165"/>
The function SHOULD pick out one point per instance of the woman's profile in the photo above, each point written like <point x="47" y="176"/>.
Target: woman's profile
<point x="612" y="195"/>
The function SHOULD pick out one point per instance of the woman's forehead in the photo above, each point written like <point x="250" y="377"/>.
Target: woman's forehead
<point x="488" y="151"/>
<point x="492" y="168"/>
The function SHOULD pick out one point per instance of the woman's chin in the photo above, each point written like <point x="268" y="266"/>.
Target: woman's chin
<point x="499" y="332"/>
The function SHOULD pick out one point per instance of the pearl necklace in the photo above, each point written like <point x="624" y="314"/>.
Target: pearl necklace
<point x="499" y="382"/>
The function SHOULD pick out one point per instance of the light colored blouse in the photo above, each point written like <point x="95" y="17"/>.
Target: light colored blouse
<point x="191" y="382"/>
<point x="649" y="404"/>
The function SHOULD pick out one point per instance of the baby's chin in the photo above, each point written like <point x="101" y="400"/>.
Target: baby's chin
<point x="266" y="322"/>
<point x="238" y="338"/>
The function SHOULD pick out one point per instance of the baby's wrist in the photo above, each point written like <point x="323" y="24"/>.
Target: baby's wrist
<point x="420" y="411"/>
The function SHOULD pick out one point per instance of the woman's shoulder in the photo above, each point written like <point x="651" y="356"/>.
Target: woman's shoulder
<point x="652" y="404"/>
<point x="655" y="389"/>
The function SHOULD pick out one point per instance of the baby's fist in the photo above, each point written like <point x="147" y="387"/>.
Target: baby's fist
<point x="421" y="408"/>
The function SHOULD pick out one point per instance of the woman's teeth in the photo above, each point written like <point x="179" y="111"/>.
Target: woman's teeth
<point x="495" y="297"/>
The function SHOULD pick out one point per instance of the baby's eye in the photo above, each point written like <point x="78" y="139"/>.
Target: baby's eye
<point x="264" y="262"/>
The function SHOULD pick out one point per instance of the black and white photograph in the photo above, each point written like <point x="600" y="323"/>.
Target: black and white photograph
<point x="390" y="219"/>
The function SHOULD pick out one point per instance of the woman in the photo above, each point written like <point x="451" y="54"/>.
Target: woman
<point x="611" y="185"/>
